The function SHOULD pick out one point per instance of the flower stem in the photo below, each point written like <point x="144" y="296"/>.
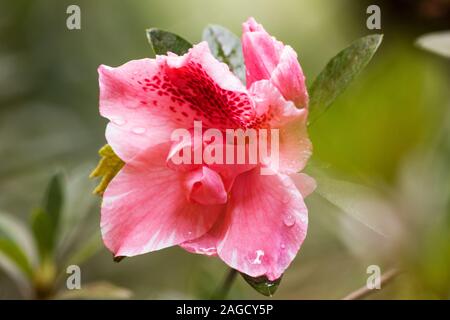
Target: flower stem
<point x="364" y="291"/>
<point x="222" y="292"/>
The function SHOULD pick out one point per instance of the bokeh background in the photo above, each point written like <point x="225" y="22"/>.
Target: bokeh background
<point x="381" y="154"/>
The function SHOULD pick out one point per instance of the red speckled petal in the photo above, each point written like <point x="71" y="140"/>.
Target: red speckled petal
<point x="145" y="100"/>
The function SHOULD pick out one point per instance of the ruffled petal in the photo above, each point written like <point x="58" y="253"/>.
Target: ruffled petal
<point x="147" y="99"/>
<point x="209" y="89"/>
<point x="265" y="224"/>
<point x="304" y="183"/>
<point x="139" y="118"/>
<point x="288" y="77"/>
<point x="206" y="187"/>
<point x="146" y="208"/>
<point x="207" y="243"/>
<point x="269" y="59"/>
<point x="261" y="52"/>
<point x="274" y="112"/>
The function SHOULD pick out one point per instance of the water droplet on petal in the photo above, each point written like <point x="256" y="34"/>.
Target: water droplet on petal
<point x="304" y="218"/>
<point x="259" y="255"/>
<point x="286" y="198"/>
<point x="283" y="246"/>
<point x="139" y="130"/>
<point x="289" y="220"/>
<point x="206" y="251"/>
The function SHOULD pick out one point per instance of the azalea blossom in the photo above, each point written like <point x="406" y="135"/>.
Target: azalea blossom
<point x="255" y="223"/>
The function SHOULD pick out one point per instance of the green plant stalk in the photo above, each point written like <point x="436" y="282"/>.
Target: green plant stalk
<point x="224" y="289"/>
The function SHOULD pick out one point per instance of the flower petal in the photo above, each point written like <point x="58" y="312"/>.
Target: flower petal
<point x="304" y="183"/>
<point x="263" y="228"/>
<point x="295" y="146"/>
<point x="207" y="243"/>
<point x="139" y="117"/>
<point x="206" y="187"/>
<point x="269" y="59"/>
<point x="145" y="207"/>
<point x="146" y="99"/>
<point x="209" y="88"/>
<point x="261" y="52"/>
<point x="265" y="224"/>
<point x="274" y="112"/>
<point x="181" y="156"/>
<point x="288" y="77"/>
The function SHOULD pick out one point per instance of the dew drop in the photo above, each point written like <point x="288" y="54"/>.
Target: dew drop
<point x="286" y="198"/>
<point x="139" y="130"/>
<point x="207" y="251"/>
<point x="304" y="219"/>
<point x="289" y="220"/>
<point x="283" y="246"/>
<point x="259" y="255"/>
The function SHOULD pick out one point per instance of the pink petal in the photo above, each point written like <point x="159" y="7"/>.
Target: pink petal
<point x="139" y="118"/>
<point x="266" y="222"/>
<point x="295" y="146"/>
<point x="206" y="187"/>
<point x="272" y="109"/>
<point x="261" y="52"/>
<point x="275" y="112"/>
<point x="263" y="228"/>
<point x="207" y="243"/>
<point x="269" y="59"/>
<point x="145" y="100"/>
<point x="229" y="172"/>
<point x="180" y="149"/>
<point x="304" y="183"/>
<point x="288" y="77"/>
<point x="145" y="207"/>
<point x="210" y="89"/>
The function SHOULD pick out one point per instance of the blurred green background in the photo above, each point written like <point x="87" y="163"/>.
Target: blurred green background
<point x="389" y="132"/>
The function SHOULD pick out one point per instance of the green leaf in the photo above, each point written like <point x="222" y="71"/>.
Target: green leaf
<point x="262" y="284"/>
<point x="19" y="233"/>
<point x="339" y="73"/>
<point x="164" y="41"/>
<point x="43" y="231"/>
<point x="436" y="42"/>
<point x="45" y="220"/>
<point x="226" y="47"/>
<point x="358" y="202"/>
<point x="76" y="218"/>
<point x="107" y="168"/>
<point x="14" y="253"/>
<point x="15" y="273"/>
<point x="11" y="242"/>
<point x="53" y="200"/>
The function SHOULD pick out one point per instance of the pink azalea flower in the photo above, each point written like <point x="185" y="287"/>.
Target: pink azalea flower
<point x="255" y="223"/>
